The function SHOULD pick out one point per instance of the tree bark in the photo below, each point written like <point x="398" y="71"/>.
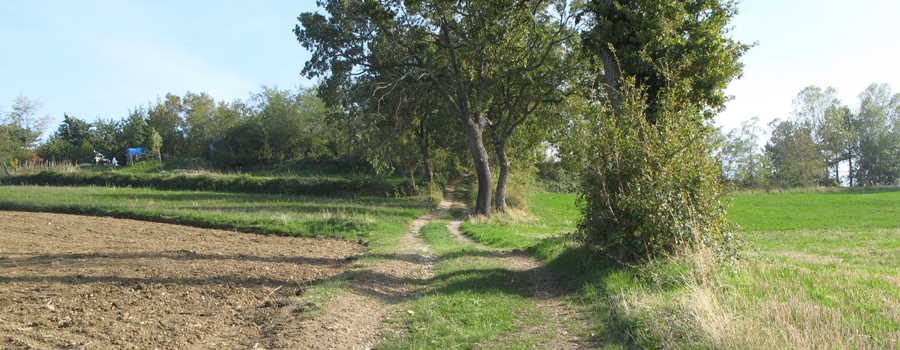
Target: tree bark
<point x="474" y="133"/>
<point x="503" y="177"/>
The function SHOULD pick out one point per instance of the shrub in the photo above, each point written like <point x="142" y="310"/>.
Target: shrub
<point x="648" y="189"/>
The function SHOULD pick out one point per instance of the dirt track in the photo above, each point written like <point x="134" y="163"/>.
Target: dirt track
<point x="99" y="283"/>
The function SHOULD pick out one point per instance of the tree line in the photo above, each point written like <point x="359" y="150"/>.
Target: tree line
<point x="823" y="143"/>
<point x="270" y="127"/>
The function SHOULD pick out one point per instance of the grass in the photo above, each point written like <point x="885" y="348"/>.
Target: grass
<point x="288" y="215"/>
<point x="550" y="215"/>
<point x="823" y="275"/>
<point x="472" y="301"/>
<point x="831" y="210"/>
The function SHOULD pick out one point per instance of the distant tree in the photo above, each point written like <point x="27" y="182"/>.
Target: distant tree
<point x="155" y="145"/>
<point x="199" y="123"/>
<point x="71" y="141"/>
<point x="135" y="129"/>
<point x="878" y="136"/>
<point x="73" y="130"/>
<point x="166" y="117"/>
<point x="743" y="162"/>
<point x="794" y="154"/>
<point x="24" y="123"/>
<point x="821" y="111"/>
<point x="106" y="138"/>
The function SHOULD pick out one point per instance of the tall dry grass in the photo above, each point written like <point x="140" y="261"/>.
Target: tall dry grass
<point x="707" y="311"/>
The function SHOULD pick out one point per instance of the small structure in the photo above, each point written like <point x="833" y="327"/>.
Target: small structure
<point x="133" y="153"/>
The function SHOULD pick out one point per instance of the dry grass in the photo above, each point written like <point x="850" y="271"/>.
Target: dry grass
<point x="709" y="312"/>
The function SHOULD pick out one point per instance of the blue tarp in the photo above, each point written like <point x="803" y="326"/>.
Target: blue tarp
<point x="134" y="152"/>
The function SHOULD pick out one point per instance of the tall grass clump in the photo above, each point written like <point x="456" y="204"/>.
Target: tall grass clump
<point x="650" y="188"/>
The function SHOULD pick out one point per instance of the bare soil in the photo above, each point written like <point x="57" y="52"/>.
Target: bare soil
<point x="99" y="283"/>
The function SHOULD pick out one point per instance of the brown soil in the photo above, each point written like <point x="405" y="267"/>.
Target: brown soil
<point x="78" y="282"/>
<point x="99" y="283"/>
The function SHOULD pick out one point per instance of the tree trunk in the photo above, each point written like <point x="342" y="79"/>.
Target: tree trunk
<point x="503" y="178"/>
<point x="424" y="148"/>
<point x="482" y="167"/>
<point x="850" y="168"/>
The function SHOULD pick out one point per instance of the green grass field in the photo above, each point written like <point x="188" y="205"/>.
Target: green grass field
<point x="832" y="210"/>
<point x="829" y="268"/>
<point x="824" y="273"/>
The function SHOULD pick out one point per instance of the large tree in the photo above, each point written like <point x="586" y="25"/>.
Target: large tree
<point x="676" y="47"/>
<point x="463" y="49"/>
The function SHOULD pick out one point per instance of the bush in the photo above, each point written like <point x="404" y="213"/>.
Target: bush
<point x="648" y="189"/>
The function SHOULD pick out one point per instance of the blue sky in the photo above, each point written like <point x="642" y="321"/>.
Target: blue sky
<point x="95" y="59"/>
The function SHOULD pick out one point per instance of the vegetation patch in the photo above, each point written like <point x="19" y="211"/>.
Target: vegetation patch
<point x="336" y="186"/>
<point x="471" y="301"/>
<point x="263" y="213"/>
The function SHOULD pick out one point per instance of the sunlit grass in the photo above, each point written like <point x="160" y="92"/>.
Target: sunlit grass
<point x="550" y="215"/>
<point x="471" y="302"/>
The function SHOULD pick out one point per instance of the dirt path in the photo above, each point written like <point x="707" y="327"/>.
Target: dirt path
<point x="542" y="284"/>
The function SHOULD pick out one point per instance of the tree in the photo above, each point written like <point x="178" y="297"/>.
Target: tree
<point x="794" y="154"/>
<point x="463" y="49"/>
<point x="155" y="145"/>
<point x="528" y="98"/>
<point x="23" y="123"/>
<point x="822" y="112"/>
<point x="650" y="184"/>
<point x="199" y="120"/>
<point x="878" y="132"/>
<point x="647" y="189"/>
<point x="674" y="47"/>
<point x="166" y="117"/>
<point x="742" y="161"/>
<point x="73" y="130"/>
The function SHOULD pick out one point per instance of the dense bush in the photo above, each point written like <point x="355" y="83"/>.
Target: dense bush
<point x="361" y="186"/>
<point x="648" y="189"/>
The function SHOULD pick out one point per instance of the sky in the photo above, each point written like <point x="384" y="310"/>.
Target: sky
<point x="100" y="59"/>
